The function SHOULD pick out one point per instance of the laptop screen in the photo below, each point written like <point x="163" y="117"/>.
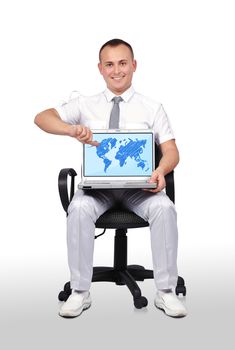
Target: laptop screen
<point x="119" y="154"/>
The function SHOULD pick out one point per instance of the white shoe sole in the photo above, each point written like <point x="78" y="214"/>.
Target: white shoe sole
<point x="71" y="314"/>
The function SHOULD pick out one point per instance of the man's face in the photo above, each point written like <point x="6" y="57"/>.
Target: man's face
<point x="117" y="67"/>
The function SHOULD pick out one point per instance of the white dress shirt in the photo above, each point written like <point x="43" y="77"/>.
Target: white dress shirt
<point x="136" y="112"/>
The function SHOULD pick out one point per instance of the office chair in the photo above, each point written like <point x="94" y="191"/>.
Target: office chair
<point x="121" y="220"/>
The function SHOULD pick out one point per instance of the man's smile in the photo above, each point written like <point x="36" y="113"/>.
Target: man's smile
<point x="117" y="78"/>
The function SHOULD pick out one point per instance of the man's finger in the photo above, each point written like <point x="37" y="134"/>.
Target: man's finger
<point x="84" y="131"/>
<point x="93" y="143"/>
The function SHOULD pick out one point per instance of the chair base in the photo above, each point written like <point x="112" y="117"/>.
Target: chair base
<point x="128" y="277"/>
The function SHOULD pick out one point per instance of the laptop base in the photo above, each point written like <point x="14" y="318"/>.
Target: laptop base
<point x="118" y="185"/>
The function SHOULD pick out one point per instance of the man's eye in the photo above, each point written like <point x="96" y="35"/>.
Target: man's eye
<point x="109" y="65"/>
<point x="123" y="63"/>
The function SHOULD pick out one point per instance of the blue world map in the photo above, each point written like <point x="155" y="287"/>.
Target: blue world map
<point x="125" y="148"/>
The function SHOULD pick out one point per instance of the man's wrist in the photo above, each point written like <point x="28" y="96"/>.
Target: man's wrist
<point x="160" y="170"/>
<point x="70" y="130"/>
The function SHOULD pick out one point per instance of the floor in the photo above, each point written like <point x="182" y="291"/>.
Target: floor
<point x="29" y="318"/>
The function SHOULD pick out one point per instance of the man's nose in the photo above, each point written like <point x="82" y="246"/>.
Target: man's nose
<point x="116" y="69"/>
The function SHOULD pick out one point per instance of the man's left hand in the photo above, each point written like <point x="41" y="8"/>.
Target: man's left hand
<point x="159" y="178"/>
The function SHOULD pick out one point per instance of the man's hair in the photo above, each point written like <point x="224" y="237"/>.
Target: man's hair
<point x="114" y="43"/>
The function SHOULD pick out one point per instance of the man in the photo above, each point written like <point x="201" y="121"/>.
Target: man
<point x="76" y="119"/>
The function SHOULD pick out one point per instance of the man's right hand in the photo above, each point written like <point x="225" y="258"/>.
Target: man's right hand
<point x="82" y="134"/>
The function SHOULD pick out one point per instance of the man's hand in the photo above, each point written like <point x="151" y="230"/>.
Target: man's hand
<point x="157" y="177"/>
<point x="82" y="134"/>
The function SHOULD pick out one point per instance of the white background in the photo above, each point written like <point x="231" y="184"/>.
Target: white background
<point x="185" y="54"/>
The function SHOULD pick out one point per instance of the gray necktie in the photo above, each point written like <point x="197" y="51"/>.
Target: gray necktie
<point x="114" y="116"/>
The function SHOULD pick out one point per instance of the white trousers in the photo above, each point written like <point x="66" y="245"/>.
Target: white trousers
<point x="156" y="208"/>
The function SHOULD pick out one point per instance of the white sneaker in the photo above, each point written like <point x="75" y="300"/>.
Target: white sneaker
<point x="75" y="304"/>
<point x="170" y="303"/>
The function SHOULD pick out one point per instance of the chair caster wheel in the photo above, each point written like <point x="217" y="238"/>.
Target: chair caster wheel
<point x="63" y="296"/>
<point x="180" y="290"/>
<point x="140" y="302"/>
<point x="67" y="288"/>
<point x="180" y="281"/>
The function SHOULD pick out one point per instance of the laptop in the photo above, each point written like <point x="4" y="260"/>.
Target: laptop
<point x="123" y="159"/>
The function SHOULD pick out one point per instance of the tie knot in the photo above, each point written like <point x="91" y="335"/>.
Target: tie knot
<point x="117" y="99"/>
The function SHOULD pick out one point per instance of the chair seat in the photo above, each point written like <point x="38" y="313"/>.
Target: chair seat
<point x="120" y="219"/>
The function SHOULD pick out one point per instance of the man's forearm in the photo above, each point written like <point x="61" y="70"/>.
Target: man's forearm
<point x="50" y="121"/>
<point x="169" y="161"/>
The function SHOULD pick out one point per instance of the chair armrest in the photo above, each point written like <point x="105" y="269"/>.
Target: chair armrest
<point x="170" y="186"/>
<point x="63" y="186"/>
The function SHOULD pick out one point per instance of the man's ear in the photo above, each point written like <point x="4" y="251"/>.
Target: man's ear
<point x="100" y="67"/>
<point x="134" y="64"/>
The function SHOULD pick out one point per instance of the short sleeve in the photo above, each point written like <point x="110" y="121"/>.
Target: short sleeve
<point x="70" y="111"/>
<point x="162" y="127"/>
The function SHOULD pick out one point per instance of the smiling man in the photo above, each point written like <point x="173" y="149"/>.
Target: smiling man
<point x="76" y="119"/>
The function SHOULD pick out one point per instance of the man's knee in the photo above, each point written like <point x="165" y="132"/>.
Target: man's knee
<point x="163" y="203"/>
<point x="82" y="204"/>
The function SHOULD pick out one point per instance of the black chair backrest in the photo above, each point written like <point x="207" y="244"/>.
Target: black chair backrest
<point x="170" y="186"/>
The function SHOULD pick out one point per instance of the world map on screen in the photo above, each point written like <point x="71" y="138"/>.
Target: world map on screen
<point x="120" y="155"/>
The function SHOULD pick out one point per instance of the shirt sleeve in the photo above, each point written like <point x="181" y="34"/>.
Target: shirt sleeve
<point x="162" y="127"/>
<point x="70" y="111"/>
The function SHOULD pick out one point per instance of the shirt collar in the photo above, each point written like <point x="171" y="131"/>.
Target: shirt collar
<point x="126" y="95"/>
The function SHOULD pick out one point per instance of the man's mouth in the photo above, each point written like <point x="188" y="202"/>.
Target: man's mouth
<point x="117" y="78"/>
